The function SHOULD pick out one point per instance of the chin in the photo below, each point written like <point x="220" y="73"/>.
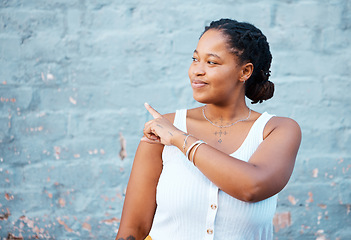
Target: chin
<point x="201" y="99"/>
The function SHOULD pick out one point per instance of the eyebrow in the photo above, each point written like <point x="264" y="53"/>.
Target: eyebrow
<point x="209" y="54"/>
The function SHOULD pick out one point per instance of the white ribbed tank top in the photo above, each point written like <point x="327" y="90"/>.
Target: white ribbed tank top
<point x="191" y="207"/>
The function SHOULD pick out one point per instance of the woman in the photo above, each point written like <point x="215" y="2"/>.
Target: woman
<point x="216" y="168"/>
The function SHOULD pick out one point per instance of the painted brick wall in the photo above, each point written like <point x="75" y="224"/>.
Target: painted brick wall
<point x="73" y="79"/>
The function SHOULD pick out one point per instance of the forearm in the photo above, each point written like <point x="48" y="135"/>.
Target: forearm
<point x="233" y="176"/>
<point x="130" y="234"/>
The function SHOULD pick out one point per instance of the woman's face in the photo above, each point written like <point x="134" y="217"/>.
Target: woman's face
<point x="215" y="72"/>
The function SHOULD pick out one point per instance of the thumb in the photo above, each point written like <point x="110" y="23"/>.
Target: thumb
<point x="152" y="111"/>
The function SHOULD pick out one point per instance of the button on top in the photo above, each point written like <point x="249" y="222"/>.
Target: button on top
<point x="209" y="231"/>
<point x="214" y="206"/>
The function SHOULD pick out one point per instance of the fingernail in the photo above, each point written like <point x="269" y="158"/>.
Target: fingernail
<point x="146" y="104"/>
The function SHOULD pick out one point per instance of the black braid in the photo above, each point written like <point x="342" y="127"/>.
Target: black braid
<point x="250" y="45"/>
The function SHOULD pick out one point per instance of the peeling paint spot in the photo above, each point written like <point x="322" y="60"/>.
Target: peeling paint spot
<point x="86" y="226"/>
<point x="72" y="100"/>
<point x="49" y="76"/>
<point x="281" y="220"/>
<point x="320" y="235"/>
<point x="105" y="198"/>
<point x="319" y="218"/>
<point x="10" y="236"/>
<point x="122" y="152"/>
<point x="62" y="202"/>
<point x="119" y="196"/>
<point x="322" y="206"/>
<point x="292" y="200"/>
<point x="2" y="99"/>
<point x="6" y="215"/>
<point x="315" y="173"/>
<point x="77" y="155"/>
<point x="30" y="223"/>
<point x="65" y="225"/>
<point x="310" y="199"/>
<point x="4" y="82"/>
<point x="9" y="197"/>
<point x="49" y="194"/>
<point x="57" y="152"/>
<point x="111" y="221"/>
<point x="303" y="228"/>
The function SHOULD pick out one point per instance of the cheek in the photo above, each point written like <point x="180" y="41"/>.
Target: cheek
<point x="190" y="70"/>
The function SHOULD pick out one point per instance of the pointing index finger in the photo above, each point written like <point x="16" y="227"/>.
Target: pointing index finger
<point x="152" y="111"/>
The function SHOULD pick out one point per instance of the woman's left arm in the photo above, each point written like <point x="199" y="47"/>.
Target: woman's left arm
<point x="265" y="174"/>
<point x="267" y="171"/>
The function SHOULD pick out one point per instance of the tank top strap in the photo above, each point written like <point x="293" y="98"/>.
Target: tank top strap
<point x="259" y="126"/>
<point x="180" y="119"/>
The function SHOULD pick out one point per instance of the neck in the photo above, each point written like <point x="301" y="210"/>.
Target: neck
<point x="227" y="113"/>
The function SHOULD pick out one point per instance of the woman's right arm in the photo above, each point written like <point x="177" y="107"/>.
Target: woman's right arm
<point x="140" y="201"/>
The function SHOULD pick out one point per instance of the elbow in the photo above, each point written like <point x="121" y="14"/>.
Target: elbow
<point x="251" y="192"/>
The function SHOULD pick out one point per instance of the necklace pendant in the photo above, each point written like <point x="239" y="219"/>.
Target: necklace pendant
<point x="220" y="140"/>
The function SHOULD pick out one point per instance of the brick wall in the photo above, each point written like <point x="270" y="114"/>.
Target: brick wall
<point x="73" y="79"/>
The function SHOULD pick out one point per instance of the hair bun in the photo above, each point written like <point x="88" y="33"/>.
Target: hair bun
<point x="259" y="92"/>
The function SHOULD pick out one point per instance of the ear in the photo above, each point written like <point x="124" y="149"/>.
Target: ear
<point x="246" y="71"/>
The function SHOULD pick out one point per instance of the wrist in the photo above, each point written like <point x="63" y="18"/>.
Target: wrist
<point x="178" y="137"/>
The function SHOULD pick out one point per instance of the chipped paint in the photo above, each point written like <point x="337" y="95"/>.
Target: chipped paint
<point x="111" y="221"/>
<point x="86" y="226"/>
<point x="72" y="100"/>
<point x="292" y="200"/>
<point x="315" y="172"/>
<point x="322" y="206"/>
<point x="62" y="202"/>
<point x="64" y="224"/>
<point x="123" y="151"/>
<point x="310" y="197"/>
<point x="5" y="216"/>
<point x="281" y="220"/>
<point x="9" y="197"/>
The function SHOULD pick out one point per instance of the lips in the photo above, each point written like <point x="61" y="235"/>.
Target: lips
<point x="198" y="84"/>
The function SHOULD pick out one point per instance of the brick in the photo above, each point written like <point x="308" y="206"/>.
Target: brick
<point x="9" y="47"/>
<point x="49" y="126"/>
<point x="15" y="99"/>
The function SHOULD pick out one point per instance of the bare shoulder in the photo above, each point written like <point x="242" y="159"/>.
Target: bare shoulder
<point x="283" y="125"/>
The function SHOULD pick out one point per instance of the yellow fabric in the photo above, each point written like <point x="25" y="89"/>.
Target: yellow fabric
<point x="148" y="238"/>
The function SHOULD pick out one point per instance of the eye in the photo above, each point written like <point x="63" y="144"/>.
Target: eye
<point x="194" y="59"/>
<point x="211" y="63"/>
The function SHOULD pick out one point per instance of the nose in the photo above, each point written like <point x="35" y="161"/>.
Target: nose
<point x="198" y="69"/>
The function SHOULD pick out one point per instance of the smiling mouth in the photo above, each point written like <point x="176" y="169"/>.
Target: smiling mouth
<point x="198" y="84"/>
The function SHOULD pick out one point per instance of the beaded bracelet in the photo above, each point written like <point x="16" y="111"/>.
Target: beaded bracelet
<point x="191" y="146"/>
<point x="192" y="156"/>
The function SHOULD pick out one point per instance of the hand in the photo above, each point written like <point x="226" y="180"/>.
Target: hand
<point x="158" y="130"/>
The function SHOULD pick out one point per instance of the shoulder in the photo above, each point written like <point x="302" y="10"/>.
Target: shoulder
<point x="283" y="125"/>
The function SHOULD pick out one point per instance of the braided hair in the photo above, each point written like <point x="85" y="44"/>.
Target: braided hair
<point x="250" y="45"/>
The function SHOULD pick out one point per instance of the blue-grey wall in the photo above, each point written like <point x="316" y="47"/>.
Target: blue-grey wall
<point x="73" y="79"/>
